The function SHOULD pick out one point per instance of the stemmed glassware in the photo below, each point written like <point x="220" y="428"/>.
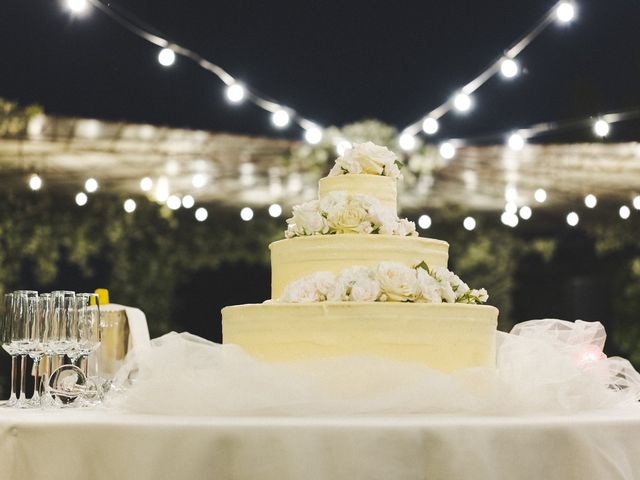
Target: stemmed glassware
<point x="34" y="330"/>
<point x="23" y="305"/>
<point x="7" y="345"/>
<point x="88" y="327"/>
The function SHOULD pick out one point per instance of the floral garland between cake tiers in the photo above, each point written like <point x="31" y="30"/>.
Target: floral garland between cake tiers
<point x="340" y="212"/>
<point x="388" y="282"/>
<point x="368" y="158"/>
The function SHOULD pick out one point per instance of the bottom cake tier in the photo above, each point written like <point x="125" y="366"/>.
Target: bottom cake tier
<point x="444" y="336"/>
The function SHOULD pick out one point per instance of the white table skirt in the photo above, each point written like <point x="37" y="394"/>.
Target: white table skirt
<point x="84" y="444"/>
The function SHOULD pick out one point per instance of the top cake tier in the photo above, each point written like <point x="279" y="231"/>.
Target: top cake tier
<point x="377" y="186"/>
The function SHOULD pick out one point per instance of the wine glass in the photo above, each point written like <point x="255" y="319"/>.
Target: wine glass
<point x="34" y="330"/>
<point x="62" y="320"/>
<point x="20" y="336"/>
<point x="5" y="340"/>
<point x="88" y="325"/>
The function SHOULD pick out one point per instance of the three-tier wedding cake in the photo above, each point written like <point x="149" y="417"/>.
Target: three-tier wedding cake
<point x="351" y="278"/>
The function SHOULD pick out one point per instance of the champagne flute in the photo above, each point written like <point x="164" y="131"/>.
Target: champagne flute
<point x="88" y="325"/>
<point x="5" y="337"/>
<point x="20" y="336"/>
<point x="34" y="330"/>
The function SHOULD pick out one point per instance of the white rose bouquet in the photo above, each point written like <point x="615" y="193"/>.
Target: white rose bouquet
<point x="368" y="158"/>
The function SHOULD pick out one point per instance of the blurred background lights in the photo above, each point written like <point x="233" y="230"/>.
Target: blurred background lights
<point x="246" y="214"/>
<point x="565" y="12"/>
<point x="235" y="93"/>
<point x="511" y="208"/>
<point x="590" y="201"/>
<point x="447" y="150"/>
<point x="509" y="219"/>
<point x="162" y="189"/>
<point x="601" y="128"/>
<point x="515" y="142"/>
<point x="624" y="212"/>
<point x="511" y="194"/>
<point x="540" y="195"/>
<point x="77" y="6"/>
<point x="525" y="212"/>
<point x="146" y="184"/>
<point x="81" y="199"/>
<point x="275" y="210"/>
<point x="188" y="201"/>
<point x="343" y="146"/>
<point x="280" y="118"/>
<point x="198" y="180"/>
<point x="462" y="102"/>
<point x="636" y="202"/>
<point x="573" y="219"/>
<point x="35" y="182"/>
<point x="469" y="223"/>
<point x="91" y="185"/>
<point x="129" y="205"/>
<point x="313" y="135"/>
<point x="424" y="222"/>
<point x="509" y="68"/>
<point x="174" y="202"/>
<point x="166" y="57"/>
<point x="407" y="142"/>
<point x="430" y="125"/>
<point x="201" y="214"/>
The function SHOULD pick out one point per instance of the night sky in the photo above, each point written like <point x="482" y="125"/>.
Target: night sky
<point x="335" y="62"/>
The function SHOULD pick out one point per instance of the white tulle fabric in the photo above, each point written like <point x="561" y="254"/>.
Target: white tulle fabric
<point x="543" y="366"/>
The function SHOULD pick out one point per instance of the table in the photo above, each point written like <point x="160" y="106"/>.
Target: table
<point x="100" y="444"/>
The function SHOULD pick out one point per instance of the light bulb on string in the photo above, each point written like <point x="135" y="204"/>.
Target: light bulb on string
<point x="565" y="12"/>
<point x="636" y="202"/>
<point x="590" y="201"/>
<point x="235" y="93"/>
<point x="188" y="201"/>
<point x="199" y="180"/>
<point x="407" y="142"/>
<point x="280" y="118"/>
<point x="35" y="182"/>
<point x="509" y="68"/>
<point x="313" y="135"/>
<point x="201" y="214"/>
<point x="81" y="199"/>
<point x="78" y="7"/>
<point x="469" y="223"/>
<point x="246" y="214"/>
<point x="511" y="208"/>
<point x="601" y="128"/>
<point x="447" y="150"/>
<point x="430" y="126"/>
<point x="424" y="222"/>
<point x="91" y="185"/>
<point x="166" y="57"/>
<point x="525" y="212"/>
<point x="146" y="184"/>
<point x="540" y="195"/>
<point x="129" y="205"/>
<point x="509" y="219"/>
<point x="516" y="142"/>
<point x="174" y="202"/>
<point x="275" y="210"/>
<point x="462" y="102"/>
<point x="624" y="212"/>
<point x="573" y="219"/>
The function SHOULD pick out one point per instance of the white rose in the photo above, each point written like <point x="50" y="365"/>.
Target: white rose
<point x="300" y="291"/>
<point x="405" y="228"/>
<point x="392" y="170"/>
<point x="358" y="284"/>
<point x="481" y="295"/>
<point x="323" y="282"/>
<point x="457" y="285"/>
<point x="373" y="158"/>
<point x="346" y="163"/>
<point x="308" y="219"/>
<point x="348" y="217"/>
<point x="428" y="286"/>
<point x="398" y="282"/>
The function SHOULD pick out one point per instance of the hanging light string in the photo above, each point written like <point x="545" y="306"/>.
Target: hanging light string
<point x="563" y="11"/>
<point x="236" y="91"/>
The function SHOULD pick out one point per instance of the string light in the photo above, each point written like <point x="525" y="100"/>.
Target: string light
<point x="188" y="201"/>
<point x="511" y="194"/>
<point x="509" y="68"/>
<point x="601" y="128"/>
<point x="166" y="57"/>
<point x="246" y="214"/>
<point x="540" y="195"/>
<point x="78" y="6"/>
<point x="235" y="93"/>
<point x="516" y="142"/>
<point x="430" y="125"/>
<point x="91" y="185"/>
<point x="174" y="202"/>
<point x="525" y="212"/>
<point x="35" y="182"/>
<point x="573" y="219"/>
<point x="146" y="184"/>
<point x="462" y="102"/>
<point x="201" y="214"/>
<point x="511" y="208"/>
<point x="275" y="210"/>
<point x="624" y="212"/>
<point x="424" y="222"/>
<point x="199" y="180"/>
<point x="129" y="205"/>
<point x="407" y="142"/>
<point x="469" y="223"/>
<point x="313" y="135"/>
<point x="565" y="12"/>
<point x="636" y="202"/>
<point x="590" y="201"/>
<point x="509" y="219"/>
<point x="81" y="199"/>
<point x="280" y="118"/>
<point x="447" y="150"/>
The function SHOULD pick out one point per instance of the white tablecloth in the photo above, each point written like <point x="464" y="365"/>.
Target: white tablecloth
<point x="85" y="444"/>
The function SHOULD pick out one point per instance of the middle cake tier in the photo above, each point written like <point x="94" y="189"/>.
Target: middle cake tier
<point x="294" y="258"/>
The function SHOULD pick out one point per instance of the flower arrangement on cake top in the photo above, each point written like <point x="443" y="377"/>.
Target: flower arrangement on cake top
<point x="368" y="158"/>
<point x="340" y="212"/>
<point x="388" y="282"/>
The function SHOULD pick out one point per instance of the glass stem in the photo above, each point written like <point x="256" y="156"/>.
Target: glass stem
<point x="23" y="376"/>
<point x="35" y="398"/>
<point x="13" y="399"/>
